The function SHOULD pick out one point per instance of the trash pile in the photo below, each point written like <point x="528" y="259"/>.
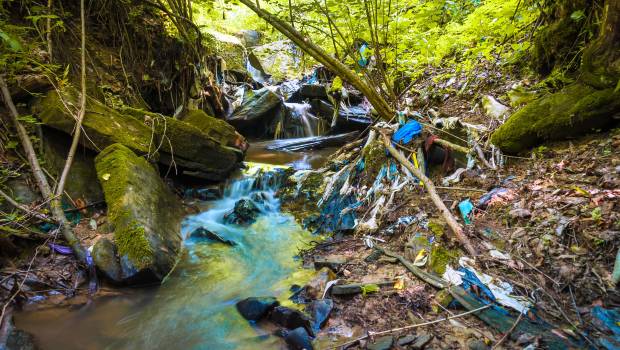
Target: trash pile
<point x="541" y="275"/>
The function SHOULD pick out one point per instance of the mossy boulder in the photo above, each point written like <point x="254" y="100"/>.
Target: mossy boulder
<point x="572" y="111"/>
<point x="143" y="212"/>
<point x="216" y="129"/>
<point x="205" y="145"/>
<point x="102" y="125"/>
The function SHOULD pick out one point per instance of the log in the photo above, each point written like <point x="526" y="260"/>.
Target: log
<point x="430" y="187"/>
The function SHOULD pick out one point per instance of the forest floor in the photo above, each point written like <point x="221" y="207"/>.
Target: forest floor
<point x="550" y="232"/>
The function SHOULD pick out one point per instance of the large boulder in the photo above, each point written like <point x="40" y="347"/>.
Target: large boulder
<point x="258" y="108"/>
<point x="102" y="126"/>
<point x="205" y="144"/>
<point x="574" y="110"/>
<point x="143" y="212"/>
<point x="281" y="59"/>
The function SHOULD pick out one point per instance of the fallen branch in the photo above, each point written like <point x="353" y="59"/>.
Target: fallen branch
<point x="430" y="187"/>
<point x="417" y="325"/>
<point x="25" y="209"/>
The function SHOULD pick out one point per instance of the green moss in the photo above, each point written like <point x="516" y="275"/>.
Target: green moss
<point x="116" y="166"/>
<point x="103" y="125"/>
<point x="216" y="129"/>
<point x="131" y="241"/>
<point x="574" y="110"/>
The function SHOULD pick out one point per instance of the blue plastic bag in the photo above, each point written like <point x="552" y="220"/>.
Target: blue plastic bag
<point x="407" y="132"/>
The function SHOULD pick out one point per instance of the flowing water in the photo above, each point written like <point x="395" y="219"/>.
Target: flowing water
<point x="301" y="112"/>
<point x="195" y="306"/>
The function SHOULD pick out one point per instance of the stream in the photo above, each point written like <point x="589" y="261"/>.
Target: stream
<point x="194" y="308"/>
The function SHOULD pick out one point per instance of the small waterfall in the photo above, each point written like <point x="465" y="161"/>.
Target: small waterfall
<point x="301" y="112"/>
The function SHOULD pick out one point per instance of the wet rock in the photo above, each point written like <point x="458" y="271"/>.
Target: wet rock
<point x="203" y="194"/>
<point x="383" y="343"/>
<point x="250" y="37"/>
<point x="203" y="233"/>
<point x="313" y="91"/>
<point x="144" y="213"/>
<point x="255" y="308"/>
<point x="316" y="287"/>
<point x="257" y="108"/>
<point x="319" y="311"/>
<point x="520" y="213"/>
<point x="245" y="212"/>
<point x="408" y="339"/>
<point x="334" y="263"/>
<point x="298" y="339"/>
<point x="421" y="341"/>
<point x="259" y="197"/>
<point x="290" y="318"/>
<point x="106" y="259"/>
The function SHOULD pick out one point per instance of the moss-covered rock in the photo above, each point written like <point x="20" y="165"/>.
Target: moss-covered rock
<point x="210" y="146"/>
<point x="144" y="214"/>
<point x="216" y="129"/>
<point x="192" y="145"/>
<point x="102" y="125"/>
<point x="574" y="110"/>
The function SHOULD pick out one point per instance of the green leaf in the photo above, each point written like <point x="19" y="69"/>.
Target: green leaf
<point x="577" y="15"/>
<point x="369" y="288"/>
<point x="13" y="43"/>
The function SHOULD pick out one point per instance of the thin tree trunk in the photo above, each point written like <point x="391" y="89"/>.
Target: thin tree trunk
<point x="381" y="106"/>
<point x="55" y="205"/>
<point x="78" y="125"/>
<point x="49" y="30"/>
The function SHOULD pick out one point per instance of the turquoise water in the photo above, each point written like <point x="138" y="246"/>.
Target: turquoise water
<point x="195" y="306"/>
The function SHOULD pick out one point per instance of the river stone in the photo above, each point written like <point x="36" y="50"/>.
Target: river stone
<point x="106" y="259"/>
<point x="203" y="233"/>
<point x="316" y="286"/>
<point x="255" y="308"/>
<point x="257" y="107"/>
<point x="245" y="212"/>
<point x="421" y="341"/>
<point x="319" y="311"/>
<point x="298" y="339"/>
<point x="290" y="318"/>
<point x="383" y="343"/>
<point x="144" y="213"/>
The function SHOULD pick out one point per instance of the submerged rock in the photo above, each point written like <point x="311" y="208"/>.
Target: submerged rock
<point x="255" y="308"/>
<point x="319" y="311"/>
<point x="202" y="232"/>
<point x="244" y="213"/>
<point x="290" y="318"/>
<point x="298" y="339"/>
<point x="145" y="215"/>
<point x="105" y="257"/>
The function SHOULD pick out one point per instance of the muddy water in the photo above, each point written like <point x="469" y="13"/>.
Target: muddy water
<point x="195" y="306"/>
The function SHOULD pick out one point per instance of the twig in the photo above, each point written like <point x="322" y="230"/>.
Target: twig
<point x="460" y="189"/>
<point x="417" y="325"/>
<point x="507" y="334"/>
<point x="430" y="187"/>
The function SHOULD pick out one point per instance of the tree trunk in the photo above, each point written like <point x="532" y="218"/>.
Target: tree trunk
<point x="379" y="103"/>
